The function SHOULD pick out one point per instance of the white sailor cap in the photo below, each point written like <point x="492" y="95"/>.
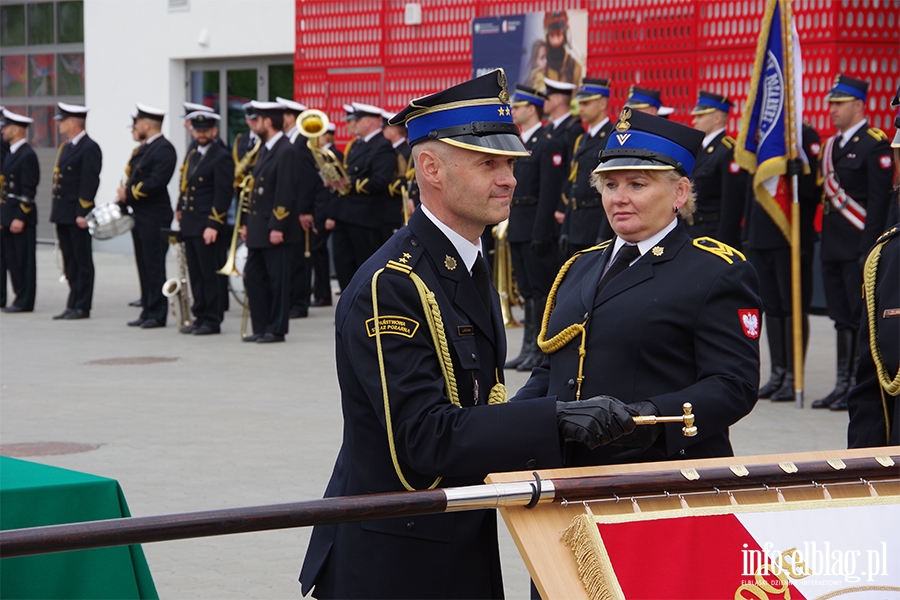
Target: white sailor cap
<point x="12" y="118"/>
<point x="558" y="87"/>
<point x="192" y="107"/>
<point x="665" y="111"/>
<point x="350" y="112"/>
<point x="290" y="105"/>
<point x="331" y="127"/>
<point x="366" y="110"/>
<point x="201" y="119"/>
<point x="149" y="112"/>
<point x="267" y="109"/>
<point x="387" y="115"/>
<point x="70" y="110"/>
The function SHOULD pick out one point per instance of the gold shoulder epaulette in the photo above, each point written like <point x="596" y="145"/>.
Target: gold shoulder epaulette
<point x="877" y="134"/>
<point x="887" y="235"/>
<point x="728" y="141"/>
<point x="723" y="251"/>
<point x="601" y="246"/>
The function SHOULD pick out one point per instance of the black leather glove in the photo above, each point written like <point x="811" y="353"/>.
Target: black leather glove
<point x="540" y="248"/>
<point x="594" y="422"/>
<point x="643" y="436"/>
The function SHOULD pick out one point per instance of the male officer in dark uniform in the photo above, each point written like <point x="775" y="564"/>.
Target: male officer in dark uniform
<point x="202" y="211"/>
<point x="394" y="209"/>
<point x="244" y="142"/>
<point x="533" y="244"/>
<point x="770" y="253"/>
<point x="321" y="257"/>
<point x="564" y="129"/>
<point x="424" y="406"/>
<point x="310" y="185"/>
<point x="271" y="227"/>
<point x="76" y="177"/>
<point x="4" y="145"/>
<point x="586" y="224"/>
<point x="146" y="192"/>
<point x="18" y="214"/>
<point x="857" y="169"/>
<point x="358" y="216"/>
<point x="645" y="100"/>
<point x="718" y="179"/>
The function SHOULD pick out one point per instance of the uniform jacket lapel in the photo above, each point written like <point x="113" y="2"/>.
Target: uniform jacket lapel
<point x="456" y="282"/>
<point x="644" y="268"/>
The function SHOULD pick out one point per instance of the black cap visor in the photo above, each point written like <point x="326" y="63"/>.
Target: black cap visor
<point x="506" y="144"/>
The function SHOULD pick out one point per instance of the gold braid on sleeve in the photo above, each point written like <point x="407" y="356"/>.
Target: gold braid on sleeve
<point x="891" y="387"/>
<point x="572" y="331"/>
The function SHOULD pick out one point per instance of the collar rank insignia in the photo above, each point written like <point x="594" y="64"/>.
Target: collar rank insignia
<point x="657" y="250"/>
<point x="449" y="262"/>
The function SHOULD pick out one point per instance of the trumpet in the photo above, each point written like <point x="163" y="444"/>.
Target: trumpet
<point x="312" y="124"/>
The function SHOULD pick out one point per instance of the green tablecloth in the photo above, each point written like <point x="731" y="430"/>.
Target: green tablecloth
<point x="32" y="495"/>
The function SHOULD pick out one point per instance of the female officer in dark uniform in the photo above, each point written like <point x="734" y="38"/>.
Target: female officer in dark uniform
<point x="653" y="317"/>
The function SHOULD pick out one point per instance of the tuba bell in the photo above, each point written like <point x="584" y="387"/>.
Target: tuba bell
<point x="312" y="124"/>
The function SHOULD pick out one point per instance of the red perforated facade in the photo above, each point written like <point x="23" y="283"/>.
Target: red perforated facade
<point x="363" y="51"/>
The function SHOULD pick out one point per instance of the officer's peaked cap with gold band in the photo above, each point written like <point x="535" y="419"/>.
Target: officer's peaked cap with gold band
<point x="846" y="89"/>
<point x="591" y="89"/>
<point x="639" y="97"/>
<point x="149" y="112"/>
<point x="192" y="107"/>
<point x="641" y="141"/>
<point x="474" y="115"/>
<point x="525" y="95"/>
<point x="896" y="102"/>
<point x="708" y="102"/>
<point x="12" y="118"/>
<point x="64" y="111"/>
<point x="202" y="119"/>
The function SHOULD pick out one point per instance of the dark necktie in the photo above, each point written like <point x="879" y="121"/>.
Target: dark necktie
<point x="626" y="254"/>
<point x="482" y="279"/>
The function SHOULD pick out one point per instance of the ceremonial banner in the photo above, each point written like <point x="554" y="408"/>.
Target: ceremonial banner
<point x="771" y="125"/>
<point x="529" y="47"/>
<point x="847" y="548"/>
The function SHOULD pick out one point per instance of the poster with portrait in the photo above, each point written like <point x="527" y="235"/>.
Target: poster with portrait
<point x="532" y="46"/>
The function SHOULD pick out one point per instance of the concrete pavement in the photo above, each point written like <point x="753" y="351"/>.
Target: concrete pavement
<point x="229" y="424"/>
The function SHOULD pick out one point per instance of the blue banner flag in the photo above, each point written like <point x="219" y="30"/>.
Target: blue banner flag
<point x="770" y="131"/>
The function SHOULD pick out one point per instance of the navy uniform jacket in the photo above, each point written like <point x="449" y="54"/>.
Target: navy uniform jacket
<point x="370" y="166"/>
<point x="760" y="230"/>
<point x="539" y="180"/>
<point x="565" y="135"/>
<point x="308" y="179"/>
<point x="274" y="203"/>
<point x="586" y="220"/>
<point x="75" y="184"/>
<point x="679" y="325"/>
<point x="207" y="191"/>
<point x="451" y="555"/>
<point x="720" y="185"/>
<point x="21" y="175"/>
<point x="146" y="191"/>
<point x="864" y="169"/>
<point x="869" y="414"/>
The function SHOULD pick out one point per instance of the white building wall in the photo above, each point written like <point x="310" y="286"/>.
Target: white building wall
<point x="135" y="51"/>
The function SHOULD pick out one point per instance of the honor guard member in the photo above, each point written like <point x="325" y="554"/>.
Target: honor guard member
<point x="394" y="211"/>
<point x="718" y="180"/>
<point x="645" y="100"/>
<point x="585" y="223"/>
<point x="189" y="109"/>
<point x="76" y="177"/>
<point x="422" y="392"/>
<point x="359" y="215"/>
<point x="19" y="179"/>
<point x="146" y="192"/>
<point x="539" y="179"/>
<point x="206" y="192"/>
<point x="653" y="317"/>
<point x="4" y="145"/>
<point x="245" y="142"/>
<point x="769" y="251"/>
<point x="309" y="186"/>
<point x="321" y="257"/>
<point x="857" y="169"/>
<point x="874" y="414"/>
<point x="564" y="128"/>
<point x="271" y="227"/>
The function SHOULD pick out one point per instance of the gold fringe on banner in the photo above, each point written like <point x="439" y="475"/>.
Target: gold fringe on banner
<point x="593" y="563"/>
